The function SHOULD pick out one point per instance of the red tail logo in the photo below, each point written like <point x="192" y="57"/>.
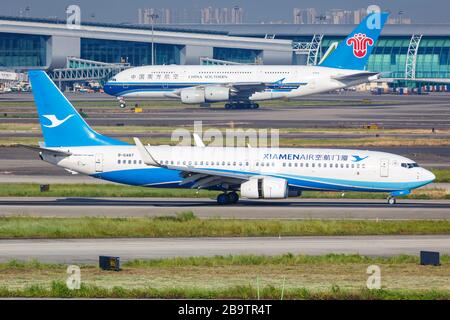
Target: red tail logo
<point x="360" y="42"/>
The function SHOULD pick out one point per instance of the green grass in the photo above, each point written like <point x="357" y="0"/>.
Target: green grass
<point x="187" y="225"/>
<point x="442" y="175"/>
<point x="114" y="190"/>
<point x="59" y="290"/>
<point x="333" y="276"/>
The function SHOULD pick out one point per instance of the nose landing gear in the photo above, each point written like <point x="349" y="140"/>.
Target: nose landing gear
<point x="122" y="103"/>
<point x="391" y="200"/>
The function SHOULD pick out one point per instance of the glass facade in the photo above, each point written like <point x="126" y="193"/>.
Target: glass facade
<point x="135" y="53"/>
<point x="237" y="55"/>
<point x="23" y="50"/>
<point x="433" y="57"/>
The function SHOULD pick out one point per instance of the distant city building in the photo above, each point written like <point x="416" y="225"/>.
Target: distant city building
<point x="399" y="20"/>
<point x="212" y="15"/>
<point x="237" y="15"/>
<point x="359" y="15"/>
<point x="167" y="16"/>
<point x="305" y="16"/>
<point x="339" y="16"/>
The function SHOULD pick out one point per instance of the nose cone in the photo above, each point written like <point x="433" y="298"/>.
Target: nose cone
<point x="429" y="176"/>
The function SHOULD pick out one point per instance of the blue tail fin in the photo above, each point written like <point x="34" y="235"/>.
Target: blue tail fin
<point x="354" y="52"/>
<point x="62" y="125"/>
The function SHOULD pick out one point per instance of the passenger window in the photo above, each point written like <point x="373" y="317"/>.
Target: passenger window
<point x="118" y="161"/>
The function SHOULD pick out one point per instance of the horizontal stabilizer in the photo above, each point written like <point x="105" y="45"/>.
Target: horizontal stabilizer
<point x="356" y="76"/>
<point x="57" y="153"/>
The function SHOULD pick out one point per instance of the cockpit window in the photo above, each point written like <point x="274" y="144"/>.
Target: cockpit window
<point x="113" y="80"/>
<point x="410" y="165"/>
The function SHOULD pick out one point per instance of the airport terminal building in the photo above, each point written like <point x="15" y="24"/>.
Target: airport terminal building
<point x="403" y="51"/>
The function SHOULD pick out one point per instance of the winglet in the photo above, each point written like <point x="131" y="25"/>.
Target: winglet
<point x="146" y="156"/>
<point x="198" y="141"/>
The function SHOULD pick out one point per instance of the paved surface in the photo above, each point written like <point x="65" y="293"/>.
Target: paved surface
<point x="387" y="111"/>
<point x="245" y="209"/>
<point x="88" y="250"/>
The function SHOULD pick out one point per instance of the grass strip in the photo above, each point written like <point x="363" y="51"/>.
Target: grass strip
<point x="59" y="290"/>
<point x="333" y="276"/>
<point x="188" y="225"/>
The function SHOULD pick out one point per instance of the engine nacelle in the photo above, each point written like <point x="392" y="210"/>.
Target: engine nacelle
<point x="192" y="96"/>
<point x="265" y="188"/>
<point x="215" y="94"/>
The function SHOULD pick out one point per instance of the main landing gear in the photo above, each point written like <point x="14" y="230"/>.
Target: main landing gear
<point x="227" y="198"/>
<point x="241" y="105"/>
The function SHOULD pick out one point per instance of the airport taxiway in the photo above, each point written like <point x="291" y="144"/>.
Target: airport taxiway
<point x="88" y="250"/>
<point x="342" y="209"/>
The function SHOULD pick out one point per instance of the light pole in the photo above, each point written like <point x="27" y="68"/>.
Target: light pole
<point x="153" y="16"/>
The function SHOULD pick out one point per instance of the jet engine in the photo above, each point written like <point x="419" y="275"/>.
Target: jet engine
<point x="208" y="94"/>
<point x="265" y="188"/>
<point x="215" y="94"/>
<point x="192" y="96"/>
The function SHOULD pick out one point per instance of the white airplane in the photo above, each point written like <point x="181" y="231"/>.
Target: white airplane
<point x="257" y="173"/>
<point x="240" y="86"/>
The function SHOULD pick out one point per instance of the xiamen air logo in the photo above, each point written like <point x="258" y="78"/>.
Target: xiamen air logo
<point x="359" y="159"/>
<point x="360" y="43"/>
<point x="55" y="121"/>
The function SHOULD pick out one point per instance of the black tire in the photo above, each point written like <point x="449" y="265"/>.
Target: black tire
<point x="227" y="106"/>
<point x="122" y="105"/>
<point x="222" y="199"/>
<point x="233" y="197"/>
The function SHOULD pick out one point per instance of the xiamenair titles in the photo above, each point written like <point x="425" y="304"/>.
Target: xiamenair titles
<point x="242" y="86"/>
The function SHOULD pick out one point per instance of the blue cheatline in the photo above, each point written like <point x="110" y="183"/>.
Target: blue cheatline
<point x="354" y="52"/>
<point x="161" y="177"/>
<point x="62" y="125"/>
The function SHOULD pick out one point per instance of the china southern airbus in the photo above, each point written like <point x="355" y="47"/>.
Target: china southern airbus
<point x="240" y="86"/>
<point x="257" y="173"/>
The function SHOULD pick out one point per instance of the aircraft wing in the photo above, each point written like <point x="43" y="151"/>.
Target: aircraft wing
<point x="55" y="153"/>
<point x="199" y="178"/>
<point x="361" y="76"/>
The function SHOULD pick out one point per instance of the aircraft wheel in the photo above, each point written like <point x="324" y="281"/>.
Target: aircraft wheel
<point x="122" y="105"/>
<point x="227" y="106"/>
<point x="222" y="199"/>
<point x="233" y="197"/>
<point x="392" y="201"/>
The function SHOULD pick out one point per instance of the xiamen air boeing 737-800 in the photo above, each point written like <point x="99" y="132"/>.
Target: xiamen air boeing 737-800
<point x="241" y="86"/>
<point x="254" y="173"/>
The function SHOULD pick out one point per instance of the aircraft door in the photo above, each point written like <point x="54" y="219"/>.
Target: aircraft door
<point x="384" y="168"/>
<point x="99" y="162"/>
